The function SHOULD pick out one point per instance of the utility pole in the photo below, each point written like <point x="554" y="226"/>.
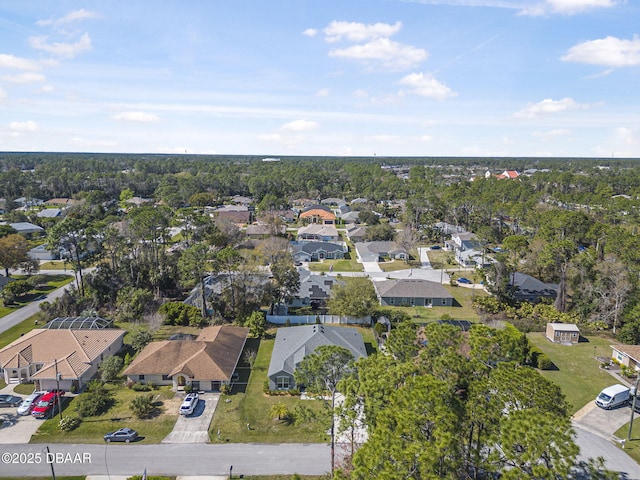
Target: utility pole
<point x="53" y="473"/>
<point x="57" y="395"/>
<point x="633" y="405"/>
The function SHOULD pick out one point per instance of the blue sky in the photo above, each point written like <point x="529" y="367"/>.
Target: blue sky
<point x="343" y="77"/>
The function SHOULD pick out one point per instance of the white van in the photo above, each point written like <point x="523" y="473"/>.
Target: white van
<point x="613" y="396"/>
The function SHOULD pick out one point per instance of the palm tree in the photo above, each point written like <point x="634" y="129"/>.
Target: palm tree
<point x="279" y="410"/>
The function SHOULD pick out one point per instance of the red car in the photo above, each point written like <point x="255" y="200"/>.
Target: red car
<point x="48" y="404"/>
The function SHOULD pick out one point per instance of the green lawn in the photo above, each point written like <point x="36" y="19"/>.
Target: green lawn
<point x="579" y="373"/>
<point x="56" y="265"/>
<point x="632" y="448"/>
<point x="24" y="389"/>
<point x="251" y="406"/>
<point x="18" y="330"/>
<point x="338" y="266"/>
<point x="92" y="429"/>
<point x="53" y="282"/>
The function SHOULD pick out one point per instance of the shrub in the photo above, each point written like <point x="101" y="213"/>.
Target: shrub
<point x="67" y="423"/>
<point x="225" y="389"/>
<point x="95" y="401"/>
<point x="188" y="388"/>
<point x="140" y="387"/>
<point x="265" y="387"/>
<point x="544" y="362"/>
<point x="142" y="406"/>
<point x="110" y="368"/>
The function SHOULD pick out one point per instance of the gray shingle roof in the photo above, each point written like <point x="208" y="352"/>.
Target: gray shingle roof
<point x="411" y="289"/>
<point x="294" y="343"/>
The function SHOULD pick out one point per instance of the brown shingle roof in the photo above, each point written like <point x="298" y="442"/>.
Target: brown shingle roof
<point x="632" y="351"/>
<point x="411" y="288"/>
<point x="211" y="356"/>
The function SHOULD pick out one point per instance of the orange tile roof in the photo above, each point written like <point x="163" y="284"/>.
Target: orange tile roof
<point x="317" y="212"/>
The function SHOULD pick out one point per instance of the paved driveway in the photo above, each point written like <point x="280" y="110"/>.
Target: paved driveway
<point x="15" y="428"/>
<point x="602" y="422"/>
<point x="194" y="428"/>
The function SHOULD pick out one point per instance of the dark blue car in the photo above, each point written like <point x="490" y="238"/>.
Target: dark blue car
<point x="464" y="280"/>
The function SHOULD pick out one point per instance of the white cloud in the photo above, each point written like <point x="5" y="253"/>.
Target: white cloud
<point x="567" y="7"/>
<point x="323" y="92"/>
<point x="47" y="89"/>
<point x="558" y="132"/>
<point x="9" y="61"/>
<point x="310" y="32"/>
<point x="28" y="77"/>
<point x="359" y="32"/>
<point x="547" y="107"/>
<point x="383" y="138"/>
<point x="300" y="126"/>
<point x="66" y="50"/>
<point x="84" y="143"/>
<point x="360" y="93"/>
<point x="609" y="51"/>
<point x="628" y="136"/>
<point x="3" y="94"/>
<point x="139" y="117"/>
<point x="28" y="126"/>
<point x="389" y="53"/>
<point x="70" y="17"/>
<point x="426" y="85"/>
<point x="426" y="138"/>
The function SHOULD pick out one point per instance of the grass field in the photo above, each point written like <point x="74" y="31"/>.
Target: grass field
<point x="92" y="429"/>
<point x="53" y="282"/>
<point x="632" y="448"/>
<point x="579" y="373"/>
<point x="338" y="266"/>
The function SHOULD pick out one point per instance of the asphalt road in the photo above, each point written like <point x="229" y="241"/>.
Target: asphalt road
<point x="167" y="459"/>
<point x="593" y="446"/>
<point x="32" y="308"/>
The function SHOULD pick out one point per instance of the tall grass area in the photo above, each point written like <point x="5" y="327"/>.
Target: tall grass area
<point x="578" y="372"/>
<point x="252" y="406"/>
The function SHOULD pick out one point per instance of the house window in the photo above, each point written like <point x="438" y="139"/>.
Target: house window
<point x="619" y="356"/>
<point x="140" y="377"/>
<point x="444" y="301"/>
<point x="282" y="383"/>
<point x="412" y="301"/>
<point x="392" y="301"/>
<point x="574" y="334"/>
<point x="166" y="377"/>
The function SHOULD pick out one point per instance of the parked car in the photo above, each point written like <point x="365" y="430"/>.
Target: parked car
<point x="28" y="403"/>
<point x="48" y="404"/>
<point x="613" y="396"/>
<point x="122" y="435"/>
<point x="10" y="400"/>
<point x="435" y="247"/>
<point x="464" y="280"/>
<point x="189" y="404"/>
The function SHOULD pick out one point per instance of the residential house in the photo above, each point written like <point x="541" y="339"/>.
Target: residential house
<point x="68" y="357"/>
<point x="332" y="201"/>
<point x="293" y="344"/>
<point x="50" y="213"/>
<point x="315" y="251"/>
<point x="378" y="251"/>
<point x="350" y="217"/>
<point x="526" y="288"/>
<point x="318" y="214"/>
<point x="238" y="214"/>
<point x="61" y="202"/>
<point x="259" y="231"/>
<point x="42" y="253"/>
<point x="26" y="202"/>
<point x="356" y="233"/>
<point x="318" y="232"/>
<point x="508" y="174"/>
<point x="205" y="363"/>
<point x="627" y="355"/>
<point x="25" y="228"/>
<point x="563" y="332"/>
<point x="410" y="292"/>
<point x="314" y="290"/>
